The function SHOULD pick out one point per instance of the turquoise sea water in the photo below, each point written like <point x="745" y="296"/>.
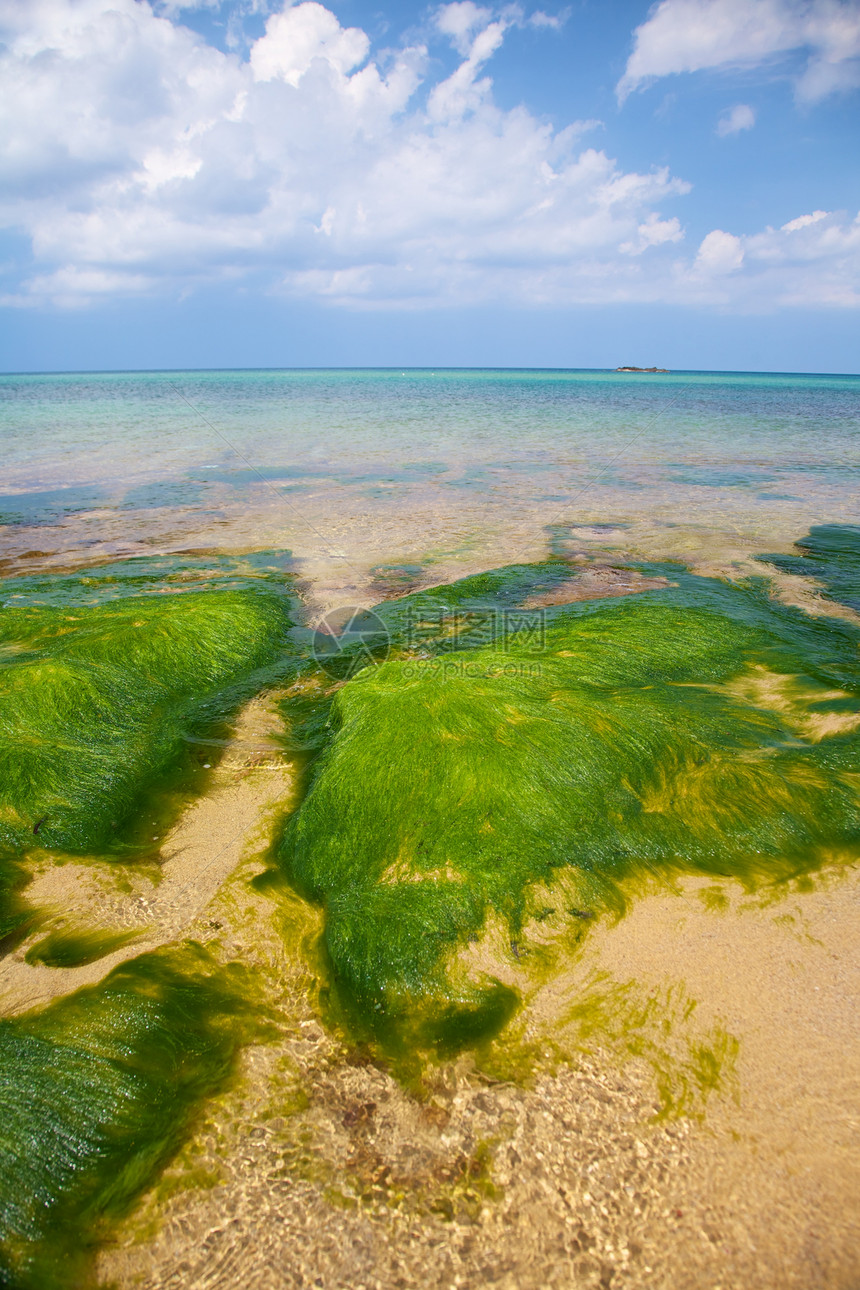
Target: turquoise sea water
<point x="440" y="472"/>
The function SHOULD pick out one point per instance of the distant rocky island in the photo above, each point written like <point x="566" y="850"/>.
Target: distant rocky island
<point x="642" y="369"/>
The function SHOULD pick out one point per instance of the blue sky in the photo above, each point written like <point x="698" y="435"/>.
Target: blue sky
<point x="257" y="184"/>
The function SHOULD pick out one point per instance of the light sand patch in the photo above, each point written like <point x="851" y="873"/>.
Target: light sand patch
<point x="806" y="593"/>
<point x="792" y="697"/>
<point x="784" y="978"/>
<point x="252" y="780"/>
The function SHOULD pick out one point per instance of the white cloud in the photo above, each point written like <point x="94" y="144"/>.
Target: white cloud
<point x="813" y="261"/>
<point x="298" y="37"/>
<point x="459" y="20"/>
<point x="740" y="117"/>
<point x="803" y="221"/>
<point x="554" y="20"/>
<point x="693" y="35"/>
<point x="461" y="93"/>
<point x="138" y="159"/>
<point x="654" y="232"/>
<point x="719" y="253"/>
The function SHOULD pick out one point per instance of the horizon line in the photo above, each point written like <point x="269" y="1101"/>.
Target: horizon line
<point x="428" y="368"/>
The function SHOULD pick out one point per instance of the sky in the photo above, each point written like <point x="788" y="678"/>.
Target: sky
<point x="257" y="184"/>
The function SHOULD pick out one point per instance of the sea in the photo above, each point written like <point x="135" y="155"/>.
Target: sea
<point x="374" y="479"/>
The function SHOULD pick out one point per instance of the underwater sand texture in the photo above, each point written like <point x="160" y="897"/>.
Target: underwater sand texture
<point x="322" y="1170"/>
<point x="457" y="539"/>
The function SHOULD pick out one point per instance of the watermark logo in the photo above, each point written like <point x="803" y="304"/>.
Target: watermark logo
<point x="448" y="669"/>
<point x="496" y="629"/>
<point x="347" y="640"/>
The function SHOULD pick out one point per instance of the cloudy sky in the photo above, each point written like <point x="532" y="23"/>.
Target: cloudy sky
<point x="257" y="183"/>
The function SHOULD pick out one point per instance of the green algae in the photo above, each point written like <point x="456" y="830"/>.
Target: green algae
<point x="68" y="947"/>
<point x="686" y="1056"/>
<point x="506" y="753"/>
<point x="108" y="677"/>
<point x="688" y="1062"/>
<point x="714" y="899"/>
<point x="17" y="917"/>
<point x="97" y="1092"/>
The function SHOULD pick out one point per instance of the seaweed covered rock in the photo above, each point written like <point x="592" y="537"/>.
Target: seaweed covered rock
<point x="104" y="676"/>
<point x="464" y="795"/>
<point x="97" y="1092"/>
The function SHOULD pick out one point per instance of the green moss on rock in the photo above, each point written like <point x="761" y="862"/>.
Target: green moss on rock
<point x="608" y="744"/>
<point x="106" y="677"/>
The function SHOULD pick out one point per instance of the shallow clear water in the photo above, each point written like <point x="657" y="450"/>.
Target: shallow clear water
<point x="443" y="471"/>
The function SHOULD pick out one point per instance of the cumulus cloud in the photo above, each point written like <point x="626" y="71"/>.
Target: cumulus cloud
<point x="812" y="261"/>
<point x="297" y="38"/>
<point x="719" y="253"/>
<point x="693" y="35"/>
<point x="138" y="159"/>
<point x="740" y="117"/>
<point x="459" y="21"/>
<point x="134" y="155"/>
<point x="653" y="232"/>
